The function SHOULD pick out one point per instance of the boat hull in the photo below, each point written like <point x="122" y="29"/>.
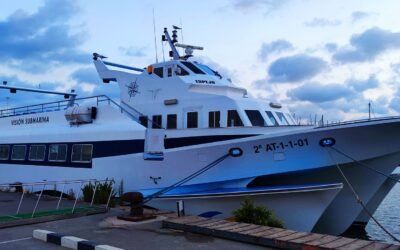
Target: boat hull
<point x="298" y="207"/>
<point x="344" y="209"/>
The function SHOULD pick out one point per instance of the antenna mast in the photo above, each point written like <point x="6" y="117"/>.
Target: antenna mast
<point x="155" y="38"/>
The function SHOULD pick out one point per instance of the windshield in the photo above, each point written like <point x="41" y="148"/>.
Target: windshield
<point x="208" y="70"/>
<point x="192" y="67"/>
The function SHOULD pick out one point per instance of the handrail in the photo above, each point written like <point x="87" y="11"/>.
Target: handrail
<point x="50" y="106"/>
<point x="16" y="184"/>
<point x="43" y="184"/>
<point x="356" y="121"/>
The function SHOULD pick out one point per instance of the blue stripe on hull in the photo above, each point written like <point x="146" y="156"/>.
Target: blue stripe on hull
<point x="100" y="149"/>
<point x="115" y="148"/>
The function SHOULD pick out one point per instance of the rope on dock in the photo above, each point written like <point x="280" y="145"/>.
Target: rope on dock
<point x="359" y="199"/>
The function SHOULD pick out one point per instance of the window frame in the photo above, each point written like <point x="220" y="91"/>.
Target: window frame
<point x="158" y="70"/>
<point x="37" y="145"/>
<point x="196" y="120"/>
<point x="144" y="120"/>
<point x="183" y="72"/>
<point x="290" y="118"/>
<point x="214" y="123"/>
<point x="8" y="153"/>
<point x="254" y="120"/>
<point x="12" y="152"/>
<point x="169" y="116"/>
<point x="80" y="161"/>
<point x="154" y="123"/>
<point x="282" y="115"/>
<point x="230" y="111"/>
<point x="66" y="152"/>
<point x="274" y="121"/>
<point x="193" y="68"/>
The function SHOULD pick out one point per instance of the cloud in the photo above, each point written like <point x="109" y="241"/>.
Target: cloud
<point x="277" y="46"/>
<point x="368" y="45"/>
<point x="89" y="83"/>
<point x="395" y="103"/>
<point x="317" y="92"/>
<point x="267" y="6"/>
<point x="359" y="15"/>
<point x="86" y="75"/>
<point x="224" y="72"/>
<point x="41" y="38"/>
<point x="133" y="51"/>
<point x="396" y="68"/>
<point x="331" y="47"/>
<point x="362" y="85"/>
<point x="322" y="22"/>
<point x="295" y="68"/>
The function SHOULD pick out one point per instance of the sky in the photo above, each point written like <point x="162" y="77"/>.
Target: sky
<point x="327" y="58"/>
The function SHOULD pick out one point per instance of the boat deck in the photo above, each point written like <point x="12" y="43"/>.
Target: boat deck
<point x="269" y="236"/>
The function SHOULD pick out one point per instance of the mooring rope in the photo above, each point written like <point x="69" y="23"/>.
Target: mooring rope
<point x="364" y="165"/>
<point x="359" y="199"/>
<point x="183" y="181"/>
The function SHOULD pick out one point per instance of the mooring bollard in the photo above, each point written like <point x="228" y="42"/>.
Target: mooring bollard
<point x="136" y="211"/>
<point x="136" y="202"/>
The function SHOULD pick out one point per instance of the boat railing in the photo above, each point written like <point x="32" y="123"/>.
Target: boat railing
<point x="67" y="189"/>
<point x="332" y="124"/>
<point x="64" y="104"/>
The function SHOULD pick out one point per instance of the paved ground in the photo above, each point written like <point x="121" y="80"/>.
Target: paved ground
<point x="103" y="229"/>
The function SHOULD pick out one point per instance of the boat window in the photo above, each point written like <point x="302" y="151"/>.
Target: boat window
<point x="234" y="119"/>
<point x="143" y="120"/>
<point x="18" y="152"/>
<point x="282" y="118"/>
<point x="159" y="71"/>
<point x="192" y="67"/>
<point x="255" y="117"/>
<point x="169" y="72"/>
<point x="181" y="71"/>
<point x="37" y="152"/>
<point x="157" y="121"/>
<point x="58" y="152"/>
<point x="214" y="119"/>
<point x="192" y="120"/>
<point x="82" y="153"/>
<point x="290" y="119"/>
<point x="4" y="152"/>
<point x="272" y="118"/>
<point x="208" y="70"/>
<point x="171" y="121"/>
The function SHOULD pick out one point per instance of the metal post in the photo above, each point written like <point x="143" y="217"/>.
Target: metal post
<point x="77" y="196"/>
<point x="109" y="197"/>
<point x="20" y="201"/>
<point x="37" y="202"/>
<point x="369" y="111"/>
<point x="94" y="193"/>
<point x="59" y="200"/>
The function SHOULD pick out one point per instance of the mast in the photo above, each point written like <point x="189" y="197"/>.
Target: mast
<point x="174" y="52"/>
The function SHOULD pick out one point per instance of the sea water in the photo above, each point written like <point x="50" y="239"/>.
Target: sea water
<point x="388" y="214"/>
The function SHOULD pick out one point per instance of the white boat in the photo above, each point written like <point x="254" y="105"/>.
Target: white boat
<point x="300" y="206"/>
<point x="175" y="119"/>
